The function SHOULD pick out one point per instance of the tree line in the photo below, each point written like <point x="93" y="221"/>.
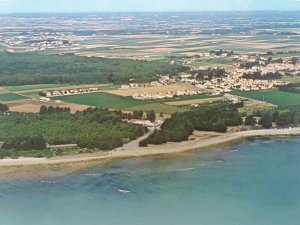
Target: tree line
<point x="209" y="73"/>
<point x="259" y="76"/>
<point x="140" y="115"/>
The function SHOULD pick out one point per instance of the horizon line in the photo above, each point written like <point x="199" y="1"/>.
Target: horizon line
<point x="154" y="11"/>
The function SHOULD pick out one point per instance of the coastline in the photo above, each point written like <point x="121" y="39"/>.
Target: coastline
<point x="132" y="150"/>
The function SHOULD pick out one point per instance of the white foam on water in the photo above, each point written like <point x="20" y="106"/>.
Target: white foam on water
<point x="49" y="181"/>
<point x="93" y="174"/>
<point x="266" y="142"/>
<point x="185" y="169"/>
<point x="234" y="150"/>
<point x="123" y="191"/>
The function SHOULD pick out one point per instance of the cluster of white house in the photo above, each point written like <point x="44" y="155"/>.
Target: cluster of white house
<point x="236" y="82"/>
<point x="162" y="80"/>
<point x="147" y="123"/>
<point x="273" y="68"/>
<point x="203" y="56"/>
<point x="163" y="95"/>
<point x="50" y="94"/>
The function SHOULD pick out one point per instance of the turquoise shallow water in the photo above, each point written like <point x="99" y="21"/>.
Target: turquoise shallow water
<point x="254" y="182"/>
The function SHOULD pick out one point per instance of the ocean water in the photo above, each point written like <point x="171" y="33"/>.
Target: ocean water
<point x="255" y="182"/>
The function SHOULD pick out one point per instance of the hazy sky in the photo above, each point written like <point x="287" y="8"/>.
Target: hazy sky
<point x="9" y="6"/>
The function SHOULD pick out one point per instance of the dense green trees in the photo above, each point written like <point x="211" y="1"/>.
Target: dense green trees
<point x="93" y="128"/>
<point x="282" y="118"/>
<point x="205" y="118"/>
<point x="250" y="120"/>
<point x="21" y="69"/>
<point x="286" y="118"/>
<point x="3" y="108"/>
<point x="259" y="76"/>
<point x="99" y="141"/>
<point x="26" y="143"/>
<point x="53" y="110"/>
<point x="177" y="128"/>
<point x="138" y="114"/>
<point x="150" y="115"/>
<point x="158" y="137"/>
<point x="209" y="73"/>
<point x="266" y="120"/>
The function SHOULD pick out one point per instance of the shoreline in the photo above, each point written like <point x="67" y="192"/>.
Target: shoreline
<point x="132" y="150"/>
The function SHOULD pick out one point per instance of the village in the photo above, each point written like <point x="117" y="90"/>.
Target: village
<point x="234" y="80"/>
<point x="39" y="41"/>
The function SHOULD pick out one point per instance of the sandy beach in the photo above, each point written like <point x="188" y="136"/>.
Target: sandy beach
<point x="132" y="150"/>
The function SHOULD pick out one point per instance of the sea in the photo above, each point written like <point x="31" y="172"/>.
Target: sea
<point x="254" y="182"/>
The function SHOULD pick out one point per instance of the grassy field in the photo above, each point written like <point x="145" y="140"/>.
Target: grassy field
<point x="118" y="102"/>
<point x="158" y="108"/>
<point x="187" y="97"/>
<point x="11" y="97"/>
<point x="221" y="62"/>
<point x="31" y="94"/>
<point x="102" y="100"/>
<point x="109" y="87"/>
<point x="195" y="101"/>
<point x="278" y="98"/>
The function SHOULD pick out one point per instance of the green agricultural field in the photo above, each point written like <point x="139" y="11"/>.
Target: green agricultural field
<point x="102" y="100"/>
<point x="221" y="62"/>
<point x="159" y="108"/>
<point x="189" y="97"/>
<point x="109" y="87"/>
<point x="31" y="94"/>
<point x="278" y="98"/>
<point x="8" y="97"/>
